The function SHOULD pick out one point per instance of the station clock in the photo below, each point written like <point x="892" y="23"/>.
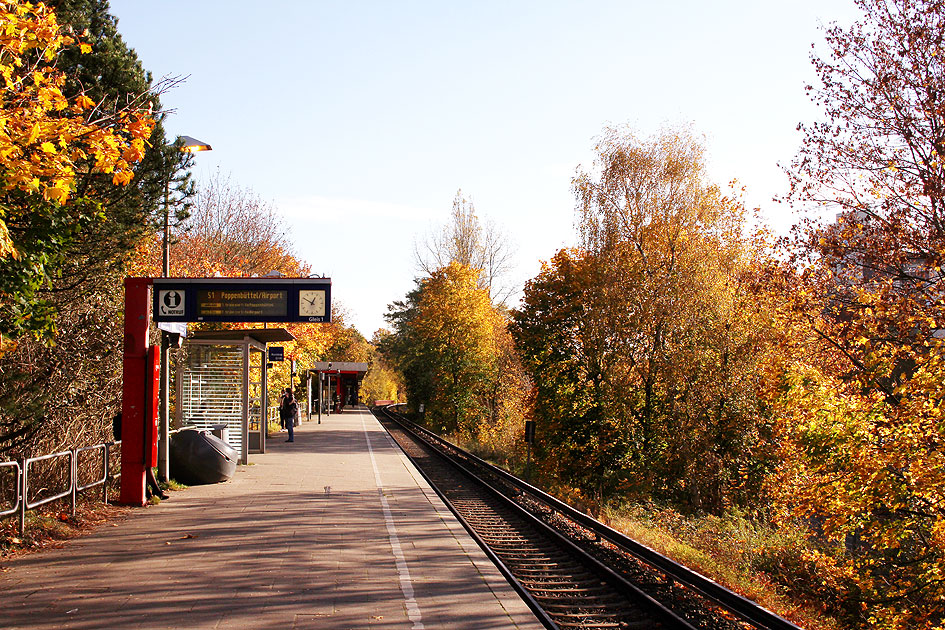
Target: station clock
<point x="311" y="303"/>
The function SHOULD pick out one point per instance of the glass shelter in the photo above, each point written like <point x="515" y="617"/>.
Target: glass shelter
<point x="221" y="385"/>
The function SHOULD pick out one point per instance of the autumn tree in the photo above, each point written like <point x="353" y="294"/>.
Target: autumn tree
<point x="643" y="344"/>
<point x="585" y="443"/>
<point x="113" y="77"/>
<point x="231" y="231"/>
<point x="403" y="350"/>
<point x="382" y="381"/>
<point x="868" y="428"/>
<point x="452" y="346"/>
<point x="466" y="241"/>
<point x="75" y="200"/>
<point x="454" y="324"/>
<point x="49" y="137"/>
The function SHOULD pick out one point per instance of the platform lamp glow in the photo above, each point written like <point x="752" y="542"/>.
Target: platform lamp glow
<point x="188" y="145"/>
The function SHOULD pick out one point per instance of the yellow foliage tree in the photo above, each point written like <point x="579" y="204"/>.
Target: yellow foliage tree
<point x="455" y="326"/>
<point x="866" y="412"/>
<point x="46" y="139"/>
<point x="43" y="135"/>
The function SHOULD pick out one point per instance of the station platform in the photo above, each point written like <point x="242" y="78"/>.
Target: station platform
<point x="335" y="530"/>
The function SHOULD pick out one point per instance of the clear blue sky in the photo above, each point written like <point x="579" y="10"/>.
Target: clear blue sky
<point x="361" y="120"/>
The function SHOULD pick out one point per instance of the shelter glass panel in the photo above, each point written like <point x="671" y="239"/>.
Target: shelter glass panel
<point x="212" y="390"/>
<point x="257" y="364"/>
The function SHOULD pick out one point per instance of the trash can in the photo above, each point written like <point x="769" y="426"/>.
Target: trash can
<point x="219" y="430"/>
<point x="197" y="457"/>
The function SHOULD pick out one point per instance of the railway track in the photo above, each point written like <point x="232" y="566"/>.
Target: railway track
<point x="572" y="570"/>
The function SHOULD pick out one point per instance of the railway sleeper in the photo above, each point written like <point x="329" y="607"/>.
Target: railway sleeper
<point x="624" y="619"/>
<point x="573" y="591"/>
<point x="543" y="559"/>
<point x="585" y="586"/>
<point x="565" y="569"/>
<point x="633" y="625"/>
<point x="610" y="608"/>
<point x="525" y="547"/>
<point x="565" y="585"/>
<point x="513" y="537"/>
<point x="548" y="584"/>
<point x="531" y="552"/>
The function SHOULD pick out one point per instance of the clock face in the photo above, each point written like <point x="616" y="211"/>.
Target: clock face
<point x="311" y="303"/>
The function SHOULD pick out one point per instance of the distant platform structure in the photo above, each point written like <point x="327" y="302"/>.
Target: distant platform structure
<point x="339" y="383"/>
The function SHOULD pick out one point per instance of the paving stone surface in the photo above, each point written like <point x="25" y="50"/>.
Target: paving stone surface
<point x="336" y="530"/>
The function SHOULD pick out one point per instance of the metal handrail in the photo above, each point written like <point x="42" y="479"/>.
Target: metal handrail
<point x="100" y="481"/>
<point x="22" y="504"/>
<point x="16" y="484"/>
<point x="25" y="504"/>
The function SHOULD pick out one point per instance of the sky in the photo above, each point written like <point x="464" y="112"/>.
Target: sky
<point x="361" y="120"/>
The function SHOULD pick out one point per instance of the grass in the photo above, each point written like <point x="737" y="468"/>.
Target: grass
<point x="173" y="484"/>
<point x="753" y="559"/>
<point x="730" y="550"/>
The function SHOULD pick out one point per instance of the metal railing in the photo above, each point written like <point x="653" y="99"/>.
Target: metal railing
<point x="273" y="412"/>
<point x="21" y="503"/>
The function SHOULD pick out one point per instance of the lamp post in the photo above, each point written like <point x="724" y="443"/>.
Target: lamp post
<point x="190" y="145"/>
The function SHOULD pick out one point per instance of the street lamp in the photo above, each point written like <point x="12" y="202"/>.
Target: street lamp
<point x="189" y="145"/>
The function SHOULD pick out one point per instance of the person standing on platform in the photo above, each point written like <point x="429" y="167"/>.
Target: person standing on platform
<point x="288" y="412"/>
<point x="282" y="403"/>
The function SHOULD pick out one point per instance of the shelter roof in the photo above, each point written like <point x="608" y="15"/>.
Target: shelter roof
<point x="339" y="366"/>
<point x="260" y="335"/>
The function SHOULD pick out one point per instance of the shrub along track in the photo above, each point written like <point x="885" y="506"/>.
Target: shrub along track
<point x="572" y="570"/>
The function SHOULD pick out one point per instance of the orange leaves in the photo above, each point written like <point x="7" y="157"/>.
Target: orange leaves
<point x="122" y="178"/>
<point x="83" y="102"/>
<point x="42" y="132"/>
<point x="134" y="151"/>
<point x="57" y="194"/>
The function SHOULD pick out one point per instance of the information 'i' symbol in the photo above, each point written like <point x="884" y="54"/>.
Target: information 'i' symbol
<point x="171" y="299"/>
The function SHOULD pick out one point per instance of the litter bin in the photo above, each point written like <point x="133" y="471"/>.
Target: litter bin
<point x="219" y="430"/>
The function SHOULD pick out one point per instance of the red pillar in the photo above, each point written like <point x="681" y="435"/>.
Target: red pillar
<point x="138" y="398"/>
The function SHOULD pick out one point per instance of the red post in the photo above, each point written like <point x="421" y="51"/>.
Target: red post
<point x="138" y="399"/>
<point x="152" y="388"/>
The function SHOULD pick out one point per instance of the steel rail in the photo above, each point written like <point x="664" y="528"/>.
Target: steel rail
<point x="616" y="581"/>
<point x="746" y="609"/>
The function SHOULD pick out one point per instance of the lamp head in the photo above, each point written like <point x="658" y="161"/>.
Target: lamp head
<point x="192" y="145"/>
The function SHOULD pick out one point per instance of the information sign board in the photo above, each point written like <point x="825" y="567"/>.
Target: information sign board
<point x="242" y="300"/>
<point x="241" y="303"/>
